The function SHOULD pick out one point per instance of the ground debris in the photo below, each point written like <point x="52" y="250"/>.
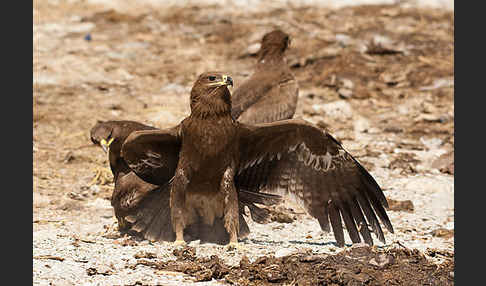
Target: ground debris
<point x="145" y="254"/>
<point x="354" y="266"/>
<point x="381" y="45"/>
<point x="395" y="205"/>
<point x="445" y="163"/>
<point x="50" y="257"/>
<point x="443" y="232"/>
<point x="99" y="271"/>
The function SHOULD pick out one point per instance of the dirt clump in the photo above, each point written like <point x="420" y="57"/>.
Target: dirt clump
<point x="395" y="205"/>
<point x="359" y="265"/>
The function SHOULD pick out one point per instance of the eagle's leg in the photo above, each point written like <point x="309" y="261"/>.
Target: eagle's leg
<point x="231" y="208"/>
<point x="177" y="204"/>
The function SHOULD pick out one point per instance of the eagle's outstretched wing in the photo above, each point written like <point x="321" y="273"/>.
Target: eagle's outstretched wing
<point x="153" y="154"/>
<point x="293" y="157"/>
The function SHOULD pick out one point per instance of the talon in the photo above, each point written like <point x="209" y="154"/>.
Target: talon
<point x="103" y="175"/>
<point x="233" y="246"/>
<point x="112" y="228"/>
<point x="122" y="225"/>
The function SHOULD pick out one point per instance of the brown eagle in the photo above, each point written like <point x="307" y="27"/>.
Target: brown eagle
<point x="129" y="188"/>
<point x="271" y="92"/>
<point x="209" y="157"/>
<point x="135" y="200"/>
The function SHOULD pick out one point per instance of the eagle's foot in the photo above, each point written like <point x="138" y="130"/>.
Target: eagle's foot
<point x="114" y="227"/>
<point x="233" y="246"/>
<point x="102" y="176"/>
<point x="123" y="225"/>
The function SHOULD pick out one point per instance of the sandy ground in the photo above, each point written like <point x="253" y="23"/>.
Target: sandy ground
<point x="380" y="78"/>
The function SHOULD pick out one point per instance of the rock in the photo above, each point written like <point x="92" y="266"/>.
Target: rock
<point x="345" y="83"/>
<point x="253" y="49"/>
<point x="394" y="77"/>
<point x="445" y="163"/>
<point x="326" y="53"/>
<point x="345" y="93"/>
<point x="439" y="83"/>
<point x="443" y="233"/>
<point x="393" y="129"/>
<point x="405" y="205"/>
<point x="344" y="40"/>
<point x="282" y="217"/>
<point x="430" y="118"/>
<point x="145" y="254"/>
<point x="100" y="269"/>
<point x="382" y="45"/>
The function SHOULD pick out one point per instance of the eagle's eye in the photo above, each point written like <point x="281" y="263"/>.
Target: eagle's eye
<point x="211" y="78"/>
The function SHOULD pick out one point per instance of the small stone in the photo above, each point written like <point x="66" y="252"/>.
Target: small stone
<point x="443" y="233"/>
<point x="405" y="205"/>
<point x="343" y="40"/>
<point x="253" y="49"/>
<point x="345" y="93"/>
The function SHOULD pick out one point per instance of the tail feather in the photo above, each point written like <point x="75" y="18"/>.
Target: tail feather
<point x="152" y="220"/>
<point x="259" y="215"/>
<point x="259" y="198"/>
<point x="152" y="217"/>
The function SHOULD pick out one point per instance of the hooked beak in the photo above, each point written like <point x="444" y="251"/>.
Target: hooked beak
<point x="106" y="145"/>
<point x="225" y="80"/>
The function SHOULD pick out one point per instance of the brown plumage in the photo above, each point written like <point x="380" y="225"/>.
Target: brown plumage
<point x="129" y="188"/>
<point x="271" y="92"/>
<point x="135" y="200"/>
<point x="219" y="156"/>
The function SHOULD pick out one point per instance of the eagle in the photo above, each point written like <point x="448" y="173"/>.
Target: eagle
<point x="135" y="200"/>
<point x="271" y="92"/>
<point x="129" y="188"/>
<point x="209" y="157"/>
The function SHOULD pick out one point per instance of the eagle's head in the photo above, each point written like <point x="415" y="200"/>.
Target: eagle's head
<point x="274" y="44"/>
<point x="110" y="135"/>
<point x="210" y="94"/>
